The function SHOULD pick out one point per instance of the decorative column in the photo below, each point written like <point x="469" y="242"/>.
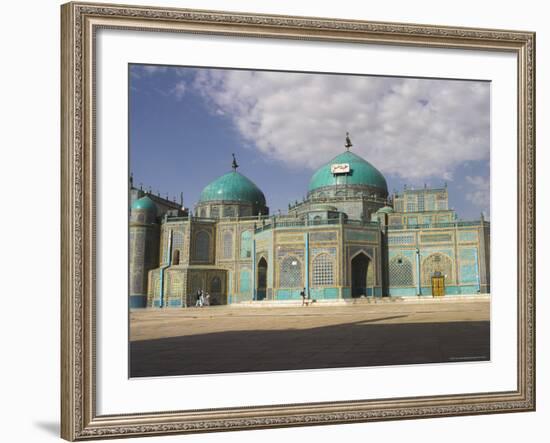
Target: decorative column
<point x="306" y="235"/>
<point x="418" y="288"/>
<point x="168" y="262"/>
<point x="254" y="295"/>
<point x="477" y="271"/>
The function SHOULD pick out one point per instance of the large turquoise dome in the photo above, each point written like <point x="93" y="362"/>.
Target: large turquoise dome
<point x="233" y="187"/>
<point x="361" y="173"/>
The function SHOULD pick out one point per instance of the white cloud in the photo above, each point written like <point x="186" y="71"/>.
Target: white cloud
<point x="150" y="69"/>
<point x="179" y="90"/>
<point x="413" y="128"/>
<point x="479" y="195"/>
<point x="139" y="71"/>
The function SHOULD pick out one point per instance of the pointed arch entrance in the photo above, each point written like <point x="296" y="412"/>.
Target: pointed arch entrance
<point x="361" y="275"/>
<point x="262" y="279"/>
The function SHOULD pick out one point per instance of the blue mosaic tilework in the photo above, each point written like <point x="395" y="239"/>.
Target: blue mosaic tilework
<point x="355" y="235"/>
<point x="467" y="236"/>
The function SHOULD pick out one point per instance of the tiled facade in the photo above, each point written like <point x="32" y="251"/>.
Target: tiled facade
<point x="343" y="241"/>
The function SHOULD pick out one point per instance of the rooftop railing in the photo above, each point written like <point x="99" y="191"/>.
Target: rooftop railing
<point x="298" y="223"/>
<point x="339" y="198"/>
<point x="220" y="219"/>
<point x="266" y="222"/>
<point x="455" y="224"/>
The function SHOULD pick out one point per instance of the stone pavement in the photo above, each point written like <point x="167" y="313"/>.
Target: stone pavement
<point x="223" y="339"/>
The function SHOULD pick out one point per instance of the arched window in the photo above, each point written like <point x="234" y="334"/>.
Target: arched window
<point x="216" y="285"/>
<point x="202" y="246"/>
<point x="290" y="273"/>
<point x="262" y="274"/>
<point x="227" y="244"/>
<point x="246" y="244"/>
<point x="436" y="263"/>
<point x="400" y="272"/>
<point x="323" y="270"/>
<point x="176" y="257"/>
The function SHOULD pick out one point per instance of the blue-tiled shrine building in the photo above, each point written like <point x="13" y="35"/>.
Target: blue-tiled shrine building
<point x="347" y="239"/>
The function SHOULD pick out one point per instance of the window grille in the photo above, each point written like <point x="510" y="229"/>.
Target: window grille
<point x="290" y="273"/>
<point x="227" y="244"/>
<point x="400" y="272"/>
<point x="323" y="270"/>
<point x="177" y="240"/>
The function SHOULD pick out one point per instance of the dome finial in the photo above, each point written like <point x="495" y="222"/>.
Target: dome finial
<point x="348" y="141"/>
<point x="234" y="165"/>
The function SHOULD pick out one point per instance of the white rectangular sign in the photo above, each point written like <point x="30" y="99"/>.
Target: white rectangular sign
<point x="339" y="168"/>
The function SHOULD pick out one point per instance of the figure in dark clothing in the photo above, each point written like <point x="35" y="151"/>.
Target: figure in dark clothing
<point x="303" y="295"/>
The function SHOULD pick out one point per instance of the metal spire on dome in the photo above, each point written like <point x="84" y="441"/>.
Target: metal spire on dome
<point x="234" y="165"/>
<point x="348" y="141"/>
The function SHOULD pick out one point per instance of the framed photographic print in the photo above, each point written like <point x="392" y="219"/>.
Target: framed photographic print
<point x="283" y="221"/>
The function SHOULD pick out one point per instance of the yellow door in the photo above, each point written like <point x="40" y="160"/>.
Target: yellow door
<point x="438" y="286"/>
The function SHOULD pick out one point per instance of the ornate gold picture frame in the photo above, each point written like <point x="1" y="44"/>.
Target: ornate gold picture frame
<point x="80" y="23"/>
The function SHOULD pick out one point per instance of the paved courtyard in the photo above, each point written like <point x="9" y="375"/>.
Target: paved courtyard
<point x="226" y="339"/>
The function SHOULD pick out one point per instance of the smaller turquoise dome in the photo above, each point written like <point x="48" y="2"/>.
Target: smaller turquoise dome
<point x="386" y="210"/>
<point x="145" y="204"/>
<point x="233" y="186"/>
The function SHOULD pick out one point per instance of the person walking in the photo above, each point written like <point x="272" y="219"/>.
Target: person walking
<point x="303" y="295"/>
<point x="198" y="303"/>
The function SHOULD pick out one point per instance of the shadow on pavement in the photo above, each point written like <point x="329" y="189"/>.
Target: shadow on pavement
<point x="338" y="346"/>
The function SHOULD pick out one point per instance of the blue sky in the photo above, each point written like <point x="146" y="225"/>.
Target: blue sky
<point x="186" y="122"/>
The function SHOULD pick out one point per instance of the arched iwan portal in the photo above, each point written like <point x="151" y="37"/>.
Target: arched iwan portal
<point x="262" y="279"/>
<point x="361" y="275"/>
